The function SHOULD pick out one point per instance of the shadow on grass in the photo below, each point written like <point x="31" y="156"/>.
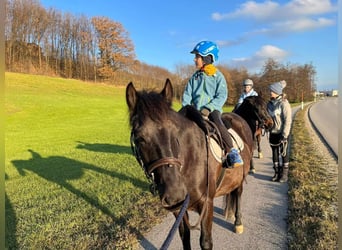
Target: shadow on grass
<point x="10" y="224"/>
<point x="104" y="147"/>
<point x="60" y="170"/>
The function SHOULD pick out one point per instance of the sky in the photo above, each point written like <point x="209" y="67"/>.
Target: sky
<point x="295" y="32"/>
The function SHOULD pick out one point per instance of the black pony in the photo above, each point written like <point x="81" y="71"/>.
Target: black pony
<point x="254" y="111"/>
<point x="174" y="154"/>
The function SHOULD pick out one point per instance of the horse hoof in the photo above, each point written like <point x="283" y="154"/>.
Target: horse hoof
<point x="239" y="229"/>
<point x="261" y="156"/>
<point x="252" y="171"/>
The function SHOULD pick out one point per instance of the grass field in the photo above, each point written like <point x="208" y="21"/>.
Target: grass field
<point x="71" y="180"/>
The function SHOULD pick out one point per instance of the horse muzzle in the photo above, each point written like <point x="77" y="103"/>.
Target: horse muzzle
<point x="268" y="124"/>
<point x="172" y="204"/>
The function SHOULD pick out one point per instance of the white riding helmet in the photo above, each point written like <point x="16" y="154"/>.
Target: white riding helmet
<point x="247" y="82"/>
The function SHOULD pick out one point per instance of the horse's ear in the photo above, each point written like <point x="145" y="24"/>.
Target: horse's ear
<point x="167" y="91"/>
<point x="131" y="96"/>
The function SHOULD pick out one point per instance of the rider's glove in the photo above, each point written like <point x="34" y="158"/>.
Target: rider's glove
<point x="205" y="112"/>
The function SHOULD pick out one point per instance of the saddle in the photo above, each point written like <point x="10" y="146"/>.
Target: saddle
<point x="216" y="143"/>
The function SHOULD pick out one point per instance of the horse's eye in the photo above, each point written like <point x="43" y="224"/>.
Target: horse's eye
<point x="139" y="141"/>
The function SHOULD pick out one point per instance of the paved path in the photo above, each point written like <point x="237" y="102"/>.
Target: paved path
<point x="264" y="211"/>
<point x="324" y="114"/>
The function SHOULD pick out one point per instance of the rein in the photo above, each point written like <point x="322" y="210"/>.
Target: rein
<point x="169" y="237"/>
<point x="151" y="166"/>
<point x="169" y="161"/>
<point x="284" y="147"/>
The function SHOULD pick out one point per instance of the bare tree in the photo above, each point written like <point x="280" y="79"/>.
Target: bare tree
<point x="55" y="43"/>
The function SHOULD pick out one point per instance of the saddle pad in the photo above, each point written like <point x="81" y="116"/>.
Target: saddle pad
<point x="237" y="141"/>
<point x="218" y="151"/>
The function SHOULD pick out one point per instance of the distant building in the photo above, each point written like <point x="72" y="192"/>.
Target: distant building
<point x="334" y="92"/>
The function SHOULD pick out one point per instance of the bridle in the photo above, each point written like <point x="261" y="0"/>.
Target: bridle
<point x="148" y="170"/>
<point x="165" y="161"/>
<point x="261" y="121"/>
<point x="152" y="165"/>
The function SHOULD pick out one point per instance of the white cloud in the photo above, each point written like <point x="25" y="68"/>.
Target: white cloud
<point x="309" y="7"/>
<point x="229" y="43"/>
<point x="293" y="26"/>
<point x="303" y="24"/>
<point x="270" y="51"/>
<point x="250" y="9"/>
<point x="256" y="61"/>
<point x="295" y="16"/>
<point x="270" y="11"/>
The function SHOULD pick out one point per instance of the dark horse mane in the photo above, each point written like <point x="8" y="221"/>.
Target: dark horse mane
<point x="150" y="105"/>
<point x="153" y="106"/>
<point x="246" y="104"/>
<point x="246" y="110"/>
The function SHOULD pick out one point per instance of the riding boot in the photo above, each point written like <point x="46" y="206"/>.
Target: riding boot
<point x="276" y="171"/>
<point x="280" y="173"/>
<point x="284" y="176"/>
<point x="233" y="159"/>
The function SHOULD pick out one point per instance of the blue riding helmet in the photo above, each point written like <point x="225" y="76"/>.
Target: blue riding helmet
<point x="206" y="48"/>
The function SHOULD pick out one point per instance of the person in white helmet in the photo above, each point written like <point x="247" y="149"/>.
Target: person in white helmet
<point x="248" y="90"/>
<point x="207" y="91"/>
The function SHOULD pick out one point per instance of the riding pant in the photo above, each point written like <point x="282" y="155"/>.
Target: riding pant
<point x="279" y="148"/>
<point x="215" y="117"/>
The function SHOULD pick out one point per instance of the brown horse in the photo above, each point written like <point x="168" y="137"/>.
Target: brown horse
<point x="174" y="154"/>
<point x="254" y="110"/>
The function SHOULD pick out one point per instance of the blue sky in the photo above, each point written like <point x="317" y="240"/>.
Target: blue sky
<point x="247" y="32"/>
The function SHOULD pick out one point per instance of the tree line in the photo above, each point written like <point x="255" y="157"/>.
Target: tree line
<point x="49" y="42"/>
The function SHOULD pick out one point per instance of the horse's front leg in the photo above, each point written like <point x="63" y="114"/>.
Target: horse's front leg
<point x="260" y="155"/>
<point x="206" y="240"/>
<point x="184" y="231"/>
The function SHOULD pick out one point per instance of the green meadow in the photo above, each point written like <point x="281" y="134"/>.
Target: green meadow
<point x="71" y="181"/>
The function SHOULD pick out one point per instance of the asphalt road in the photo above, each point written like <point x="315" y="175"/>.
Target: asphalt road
<point x="324" y="114"/>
